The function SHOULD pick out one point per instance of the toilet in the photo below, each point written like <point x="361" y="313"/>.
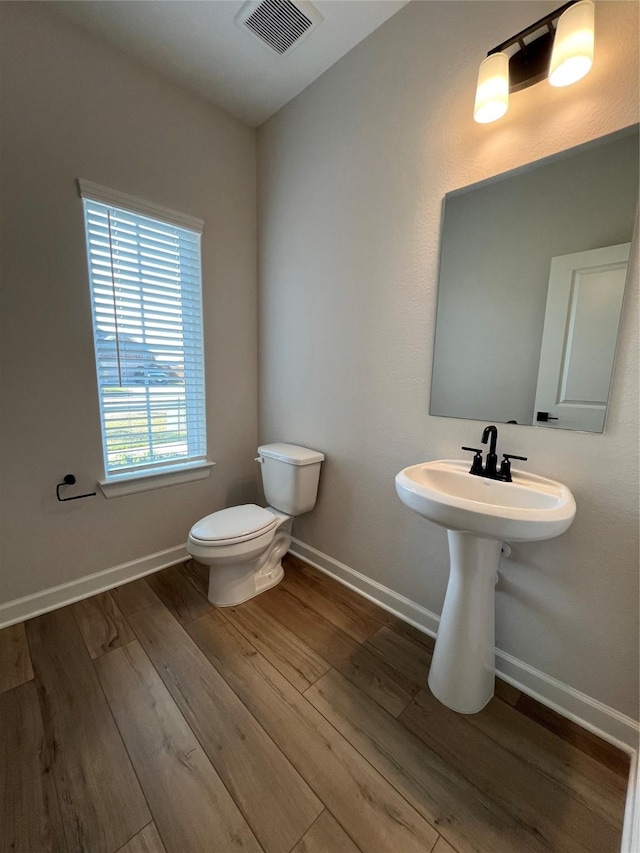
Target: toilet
<point x="244" y="545"/>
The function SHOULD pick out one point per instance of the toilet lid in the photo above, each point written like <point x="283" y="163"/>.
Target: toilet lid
<point x="238" y="523"/>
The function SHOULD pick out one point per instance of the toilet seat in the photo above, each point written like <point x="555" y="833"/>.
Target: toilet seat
<point x="233" y="526"/>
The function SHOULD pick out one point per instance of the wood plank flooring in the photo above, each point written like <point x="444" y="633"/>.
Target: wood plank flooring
<point x="191" y="806"/>
<point x="280" y="811"/>
<point x="15" y="663"/>
<point x="146" y="841"/>
<point x="144" y="720"/>
<point x="31" y="815"/>
<point x="326" y="834"/>
<point x="101" y="802"/>
<point x="102" y="625"/>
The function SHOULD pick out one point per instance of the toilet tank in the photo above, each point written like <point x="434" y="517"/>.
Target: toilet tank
<point x="290" y="476"/>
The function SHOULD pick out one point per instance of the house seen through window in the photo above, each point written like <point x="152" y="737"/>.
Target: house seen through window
<point x="145" y="281"/>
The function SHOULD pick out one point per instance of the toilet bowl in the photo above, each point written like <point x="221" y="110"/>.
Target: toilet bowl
<point x="244" y="545"/>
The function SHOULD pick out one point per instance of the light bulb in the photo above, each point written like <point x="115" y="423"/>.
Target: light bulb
<point x="492" y="93"/>
<point x="572" y="55"/>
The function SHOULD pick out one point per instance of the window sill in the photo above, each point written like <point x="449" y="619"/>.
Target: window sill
<point x="129" y="484"/>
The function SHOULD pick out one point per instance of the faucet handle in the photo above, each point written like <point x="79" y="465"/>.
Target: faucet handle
<point x="476" y="466"/>
<point x="505" y="465"/>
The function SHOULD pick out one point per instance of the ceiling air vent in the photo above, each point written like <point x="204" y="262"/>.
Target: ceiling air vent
<point x="280" y="24"/>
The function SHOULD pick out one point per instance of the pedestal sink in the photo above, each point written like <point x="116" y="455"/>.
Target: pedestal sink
<point x="479" y="514"/>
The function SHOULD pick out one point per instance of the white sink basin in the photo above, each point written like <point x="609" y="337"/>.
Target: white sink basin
<point x="529" y="508"/>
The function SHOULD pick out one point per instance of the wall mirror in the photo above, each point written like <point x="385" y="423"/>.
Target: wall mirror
<point x="533" y="267"/>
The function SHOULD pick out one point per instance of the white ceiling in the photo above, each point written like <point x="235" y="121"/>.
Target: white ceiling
<point x="199" y="45"/>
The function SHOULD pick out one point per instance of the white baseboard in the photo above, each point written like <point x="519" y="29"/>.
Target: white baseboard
<point x="631" y="827"/>
<point x="606" y="722"/>
<point x="66" y="593"/>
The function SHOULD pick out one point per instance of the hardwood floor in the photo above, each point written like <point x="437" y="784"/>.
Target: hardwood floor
<point x="15" y="663"/>
<point x="146" y="841"/>
<point x="31" y="816"/>
<point x="102" y="625"/>
<point x="100" y="799"/>
<point x="191" y="806"/>
<point x="275" y="800"/>
<point x="145" y="720"/>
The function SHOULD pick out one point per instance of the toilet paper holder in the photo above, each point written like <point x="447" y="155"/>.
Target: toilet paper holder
<point x="69" y="480"/>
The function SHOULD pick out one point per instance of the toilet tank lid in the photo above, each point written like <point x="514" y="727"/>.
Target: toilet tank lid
<point x="291" y="453"/>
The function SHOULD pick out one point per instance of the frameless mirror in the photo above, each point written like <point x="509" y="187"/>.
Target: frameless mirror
<point x="533" y="265"/>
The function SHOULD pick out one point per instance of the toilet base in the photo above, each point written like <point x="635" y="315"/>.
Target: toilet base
<point x="233" y="582"/>
<point x="262" y="584"/>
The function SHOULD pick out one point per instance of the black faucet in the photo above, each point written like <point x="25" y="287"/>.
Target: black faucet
<point x="491" y="467"/>
<point x="490" y="470"/>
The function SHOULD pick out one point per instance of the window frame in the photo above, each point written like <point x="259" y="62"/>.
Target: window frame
<point x="156" y="475"/>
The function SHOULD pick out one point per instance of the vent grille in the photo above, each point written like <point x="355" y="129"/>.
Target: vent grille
<point x="278" y="23"/>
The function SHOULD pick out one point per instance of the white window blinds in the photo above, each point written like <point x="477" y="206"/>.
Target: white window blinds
<point x="145" y="280"/>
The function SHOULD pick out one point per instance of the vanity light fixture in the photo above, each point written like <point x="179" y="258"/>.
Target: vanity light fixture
<point x="558" y="47"/>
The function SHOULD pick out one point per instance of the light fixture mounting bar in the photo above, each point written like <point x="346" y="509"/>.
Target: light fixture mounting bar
<point x="538" y="25"/>
<point x="529" y="64"/>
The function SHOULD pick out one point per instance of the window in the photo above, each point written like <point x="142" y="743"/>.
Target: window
<point x="145" y="280"/>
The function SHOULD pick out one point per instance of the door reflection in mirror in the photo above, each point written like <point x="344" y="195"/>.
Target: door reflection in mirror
<point x="584" y="305"/>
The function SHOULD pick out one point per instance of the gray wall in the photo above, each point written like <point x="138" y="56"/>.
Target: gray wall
<point x="497" y="244"/>
<point x="351" y="180"/>
<point x="71" y="108"/>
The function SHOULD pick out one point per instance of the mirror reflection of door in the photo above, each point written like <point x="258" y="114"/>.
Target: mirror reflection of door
<point x="584" y="303"/>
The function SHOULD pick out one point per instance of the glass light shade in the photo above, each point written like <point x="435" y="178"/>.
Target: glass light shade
<point x="572" y="55"/>
<point x="492" y="93"/>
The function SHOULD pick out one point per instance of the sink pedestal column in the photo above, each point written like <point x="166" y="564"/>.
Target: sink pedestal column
<point x="462" y="674"/>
